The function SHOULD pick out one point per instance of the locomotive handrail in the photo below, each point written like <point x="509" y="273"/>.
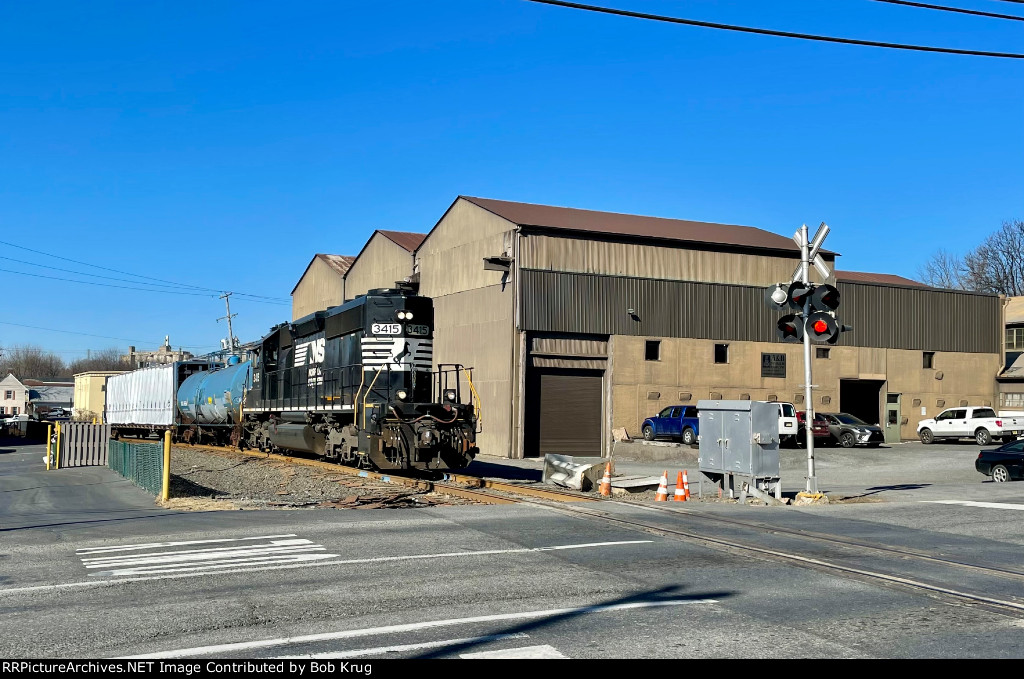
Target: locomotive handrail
<point x="369" y="389"/>
<point x="479" y="403"/>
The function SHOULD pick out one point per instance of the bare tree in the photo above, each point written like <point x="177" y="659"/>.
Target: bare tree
<point x="996" y="266"/>
<point x="31" y="361"/>
<point x="943" y="270"/>
<point x="107" y="359"/>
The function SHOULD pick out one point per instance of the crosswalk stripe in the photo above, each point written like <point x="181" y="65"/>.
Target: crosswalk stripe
<point x="182" y="543"/>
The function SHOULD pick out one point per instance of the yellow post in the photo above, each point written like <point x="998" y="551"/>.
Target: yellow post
<point x="94" y="420"/>
<point x="49" y="433"/>
<point x="58" y="447"/>
<point x="166" y="492"/>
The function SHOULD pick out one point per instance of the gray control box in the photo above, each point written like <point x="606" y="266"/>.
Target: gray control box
<point x="739" y="437"/>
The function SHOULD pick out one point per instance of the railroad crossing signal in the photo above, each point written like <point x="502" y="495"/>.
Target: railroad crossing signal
<point x="815" y="316"/>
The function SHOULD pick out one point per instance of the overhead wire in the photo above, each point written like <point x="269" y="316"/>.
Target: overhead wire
<point x="87" y="334"/>
<point x="780" y="34"/>
<point x="947" y="8"/>
<point x="128" y="273"/>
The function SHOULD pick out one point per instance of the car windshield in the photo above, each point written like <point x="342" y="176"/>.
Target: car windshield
<point x="849" y="419"/>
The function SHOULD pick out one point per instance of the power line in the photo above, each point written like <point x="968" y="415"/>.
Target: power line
<point x="86" y="334"/>
<point x="781" y="34"/>
<point x="127" y="287"/>
<point x="958" y="10"/>
<point x="128" y="273"/>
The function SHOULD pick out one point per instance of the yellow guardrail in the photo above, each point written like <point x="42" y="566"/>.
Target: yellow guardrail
<point x="478" y="405"/>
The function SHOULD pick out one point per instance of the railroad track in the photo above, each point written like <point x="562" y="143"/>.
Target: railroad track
<point x="578" y="505"/>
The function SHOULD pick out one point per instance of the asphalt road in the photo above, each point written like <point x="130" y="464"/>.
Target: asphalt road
<point x="89" y="567"/>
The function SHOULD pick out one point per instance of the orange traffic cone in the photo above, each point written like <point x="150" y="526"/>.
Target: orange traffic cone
<point x="686" y="485"/>
<point x="662" y="495"/>
<point x="680" y="489"/>
<point x="606" y="482"/>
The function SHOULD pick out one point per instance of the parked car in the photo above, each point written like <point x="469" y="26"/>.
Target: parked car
<point x="680" y="422"/>
<point x="788" y="426"/>
<point x="819" y="429"/>
<point x="981" y="424"/>
<point x="1004" y="463"/>
<point x="848" y="431"/>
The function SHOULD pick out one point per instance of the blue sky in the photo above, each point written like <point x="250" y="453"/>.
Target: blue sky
<point x="221" y="145"/>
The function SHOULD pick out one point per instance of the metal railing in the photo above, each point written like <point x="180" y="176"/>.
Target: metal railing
<point x="147" y="465"/>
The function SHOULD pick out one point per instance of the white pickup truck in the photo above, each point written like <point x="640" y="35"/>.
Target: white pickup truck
<point x="981" y="424"/>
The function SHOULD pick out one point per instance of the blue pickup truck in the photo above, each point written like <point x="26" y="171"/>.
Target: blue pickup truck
<point x="679" y="422"/>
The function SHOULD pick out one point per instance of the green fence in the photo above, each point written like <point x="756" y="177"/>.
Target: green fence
<point x="140" y="463"/>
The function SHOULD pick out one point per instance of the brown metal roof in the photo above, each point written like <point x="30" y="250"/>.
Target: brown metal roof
<point x="549" y="217"/>
<point x="404" y="239"/>
<point x="879" y="278"/>
<point x="340" y="264"/>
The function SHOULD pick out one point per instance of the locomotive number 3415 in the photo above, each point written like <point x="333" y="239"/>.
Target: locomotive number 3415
<point x="386" y="329"/>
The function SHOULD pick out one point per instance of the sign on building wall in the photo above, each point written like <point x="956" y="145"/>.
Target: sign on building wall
<point x="773" y="365"/>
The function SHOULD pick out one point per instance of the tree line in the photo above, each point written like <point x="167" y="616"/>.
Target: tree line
<point x="31" y="361"/>
<point x="995" y="266"/>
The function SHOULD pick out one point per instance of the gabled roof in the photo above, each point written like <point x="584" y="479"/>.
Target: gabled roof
<point x="879" y="278"/>
<point x="614" y="223"/>
<point x="404" y="239"/>
<point x="340" y="263"/>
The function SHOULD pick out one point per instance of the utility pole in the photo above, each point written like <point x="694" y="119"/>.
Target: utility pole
<point x="231" y="335"/>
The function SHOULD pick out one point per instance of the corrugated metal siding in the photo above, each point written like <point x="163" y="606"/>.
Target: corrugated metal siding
<point x="643" y="260"/>
<point x="883" y="316"/>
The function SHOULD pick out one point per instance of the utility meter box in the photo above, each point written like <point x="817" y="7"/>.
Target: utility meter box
<point x="739" y="437"/>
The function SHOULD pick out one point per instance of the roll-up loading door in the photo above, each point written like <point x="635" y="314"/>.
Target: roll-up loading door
<point x="565" y="412"/>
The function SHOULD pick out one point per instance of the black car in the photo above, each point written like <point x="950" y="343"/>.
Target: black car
<point x="848" y="431"/>
<point x="1005" y="463"/>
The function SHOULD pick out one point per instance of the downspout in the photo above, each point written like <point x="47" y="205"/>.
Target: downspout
<point x="519" y="354"/>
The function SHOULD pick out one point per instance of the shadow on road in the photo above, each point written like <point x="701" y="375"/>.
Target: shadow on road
<point x="182" y="487"/>
<point x="663" y="594"/>
<point x="503" y="471"/>
<point x="874" y="490"/>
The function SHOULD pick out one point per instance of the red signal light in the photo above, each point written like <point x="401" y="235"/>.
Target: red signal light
<point x="820" y="326"/>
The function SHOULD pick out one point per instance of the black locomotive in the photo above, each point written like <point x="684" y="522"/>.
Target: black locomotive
<point x="355" y="384"/>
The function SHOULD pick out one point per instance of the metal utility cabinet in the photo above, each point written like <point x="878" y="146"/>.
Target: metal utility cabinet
<point x="740" y="438"/>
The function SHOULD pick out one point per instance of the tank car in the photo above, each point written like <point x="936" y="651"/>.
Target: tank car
<point x="210" y="403"/>
<point x="355" y="383"/>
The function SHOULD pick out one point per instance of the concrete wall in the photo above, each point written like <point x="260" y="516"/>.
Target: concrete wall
<point x="641" y="388"/>
<point x="379" y="265"/>
<point x="320" y="287"/>
<point x="474" y="312"/>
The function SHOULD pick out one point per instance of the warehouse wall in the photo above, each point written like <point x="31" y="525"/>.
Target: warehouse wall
<point x="668" y="262"/>
<point x="320" y="287"/>
<point x="474" y="311"/>
<point x="686" y="373"/>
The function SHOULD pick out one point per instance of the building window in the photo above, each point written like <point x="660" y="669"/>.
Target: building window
<point x="721" y="353"/>
<point x="1015" y="339"/>
<point x="1009" y="400"/>
<point x="928" y="360"/>
<point x="3" y="410"/>
<point x="14" y="411"/>
<point x="652" y="350"/>
<point x="821" y="352"/>
<point x="8" y="395"/>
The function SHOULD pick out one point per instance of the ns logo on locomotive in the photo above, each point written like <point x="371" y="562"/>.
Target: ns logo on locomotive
<point x="354" y="384"/>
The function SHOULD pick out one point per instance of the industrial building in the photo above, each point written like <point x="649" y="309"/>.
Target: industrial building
<point x="91" y="394"/>
<point x="577" y="322"/>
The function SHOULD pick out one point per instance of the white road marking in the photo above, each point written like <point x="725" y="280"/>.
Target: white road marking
<point x="406" y="647"/>
<point x="154" y="545"/>
<point x="969" y="503"/>
<point x="412" y="627"/>
<point x="323" y="560"/>
<point x="127" y="560"/>
<point x="542" y="652"/>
